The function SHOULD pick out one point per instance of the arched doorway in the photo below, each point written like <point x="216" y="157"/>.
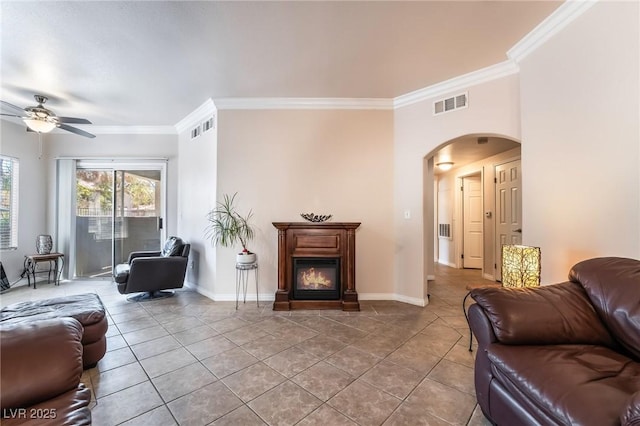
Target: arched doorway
<point x="462" y="209"/>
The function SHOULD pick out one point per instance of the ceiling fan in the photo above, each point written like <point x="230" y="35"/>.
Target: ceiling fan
<point x="42" y="120"/>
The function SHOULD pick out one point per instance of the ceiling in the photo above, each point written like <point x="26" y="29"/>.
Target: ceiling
<point x="465" y="150"/>
<point x="151" y="63"/>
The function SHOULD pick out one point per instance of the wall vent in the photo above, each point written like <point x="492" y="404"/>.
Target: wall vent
<point x="450" y="104"/>
<point x="444" y="230"/>
<point x="208" y="125"/>
<point x="195" y="132"/>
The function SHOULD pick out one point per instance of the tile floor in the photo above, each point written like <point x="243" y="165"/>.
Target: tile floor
<point x="190" y="361"/>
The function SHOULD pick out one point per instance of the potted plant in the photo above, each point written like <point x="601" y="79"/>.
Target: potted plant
<point x="227" y="228"/>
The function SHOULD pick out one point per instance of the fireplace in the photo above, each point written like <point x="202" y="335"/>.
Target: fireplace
<point x="316" y="266"/>
<point x="316" y="278"/>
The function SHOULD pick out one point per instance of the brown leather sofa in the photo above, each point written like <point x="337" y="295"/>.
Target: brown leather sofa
<point x="86" y="308"/>
<point x="565" y="354"/>
<point x="41" y="365"/>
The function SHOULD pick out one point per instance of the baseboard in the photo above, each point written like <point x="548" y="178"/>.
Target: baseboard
<point x="250" y="297"/>
<point x="222" y="297"/>
<point x="489" y="277"/>
<point x="431" y="277"/>
<point x="392" y="296"/>
<point x="270" y="297"/>
<point x="442" y="262"/>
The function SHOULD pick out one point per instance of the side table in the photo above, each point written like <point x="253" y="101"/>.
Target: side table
<point x="56" y="263"/>
<point x="242" y="280"/>
<point x="464" y="305"/>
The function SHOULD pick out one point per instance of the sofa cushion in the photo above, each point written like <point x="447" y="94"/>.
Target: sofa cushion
<point x="86" y="308"/>
<point x="574" y="384"/>
<point x="613" y="285"/>
<point x="546" y="315"/>
<point x="172" y="247"/>
<point x="40" y="360"/>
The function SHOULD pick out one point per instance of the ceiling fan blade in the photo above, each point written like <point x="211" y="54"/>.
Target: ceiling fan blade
<point x="75" y="130"/>
<point x="12" y="106"/>
<point x="73" y="120"/>
<point x="11" y="115"/>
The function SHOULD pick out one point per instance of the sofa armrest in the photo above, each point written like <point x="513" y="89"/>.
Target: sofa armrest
<point x="631" y="413"/>
<point x="40" y="360"/>
<point x="481" y="326"/>
<point x="554" y="314"/>
<point x="136" y="254"/>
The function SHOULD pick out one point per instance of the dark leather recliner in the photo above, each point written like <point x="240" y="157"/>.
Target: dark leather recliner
<point x="564" y="354"/>
<point x="154" y="271"/>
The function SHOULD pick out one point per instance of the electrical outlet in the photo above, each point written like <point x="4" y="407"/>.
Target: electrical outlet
<point x="191" y="264"/>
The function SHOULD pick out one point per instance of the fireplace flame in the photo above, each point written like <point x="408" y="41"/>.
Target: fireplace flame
<point x="316" y="280"/>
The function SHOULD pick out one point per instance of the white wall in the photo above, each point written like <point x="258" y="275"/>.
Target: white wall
<point x="286" y="162"/>
<point x="196" y="196"/>
<point x="493" y="109"/>
<point x="33" y="195"/>
<point x="581" y="144"/>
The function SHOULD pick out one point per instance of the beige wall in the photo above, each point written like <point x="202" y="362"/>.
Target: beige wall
<point x="286" y="162"/>
<point x="581" y="144"/>
<point x="493" y="110"/>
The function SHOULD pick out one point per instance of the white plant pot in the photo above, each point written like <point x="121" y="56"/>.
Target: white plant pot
<point x="246" y="258"/>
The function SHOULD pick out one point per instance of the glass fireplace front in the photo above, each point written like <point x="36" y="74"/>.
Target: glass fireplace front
<point x="316" y="278"/>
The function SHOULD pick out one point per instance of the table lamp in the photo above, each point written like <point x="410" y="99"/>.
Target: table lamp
<point x="520" y="266"/>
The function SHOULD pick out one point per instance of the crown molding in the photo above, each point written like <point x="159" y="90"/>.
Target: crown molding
<point x="108" y="130"/>
<point x="553" y="24"/>
<point x="128" y="130"/>
<point x="304" y="103"/>
<point x="203" y="112"/>
<point x="455" y="84"/>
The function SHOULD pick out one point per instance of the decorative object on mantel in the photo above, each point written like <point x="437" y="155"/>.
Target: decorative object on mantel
<point x="227" y="227"/>
<point x="44" y="244"/>
<point x="316" y="218"/>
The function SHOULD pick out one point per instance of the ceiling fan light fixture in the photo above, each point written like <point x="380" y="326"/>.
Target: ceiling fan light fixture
<point x="39" y="125"/>
<point x="445" y="165"/>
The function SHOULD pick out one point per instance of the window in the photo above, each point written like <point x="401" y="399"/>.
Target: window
<point x="8" y="203"/>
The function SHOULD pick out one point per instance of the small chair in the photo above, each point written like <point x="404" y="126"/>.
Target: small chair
<point x="154" y="271"/>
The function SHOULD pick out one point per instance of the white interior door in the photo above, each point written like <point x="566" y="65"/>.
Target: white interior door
<point x="473" y="240"/>
<point x="508" y="209"/>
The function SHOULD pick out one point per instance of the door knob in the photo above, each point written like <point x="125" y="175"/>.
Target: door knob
<point x="519" y="230"/>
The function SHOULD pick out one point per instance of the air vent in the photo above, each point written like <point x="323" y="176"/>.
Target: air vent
<point x="444" y="230"/>
<point x="195" y="132"/>
<point x="208" y="125"/>
<point x="450" y="104"/>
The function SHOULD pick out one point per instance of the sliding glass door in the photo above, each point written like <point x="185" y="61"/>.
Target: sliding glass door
<point x="118" y="210"/>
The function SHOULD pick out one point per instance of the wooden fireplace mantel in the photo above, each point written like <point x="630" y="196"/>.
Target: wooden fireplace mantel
<point x="326" y="239"/>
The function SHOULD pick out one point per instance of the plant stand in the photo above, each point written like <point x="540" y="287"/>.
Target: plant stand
<point x="242" y="281"/>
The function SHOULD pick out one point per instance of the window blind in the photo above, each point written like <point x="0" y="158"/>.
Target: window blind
<point x="9" y="174"/>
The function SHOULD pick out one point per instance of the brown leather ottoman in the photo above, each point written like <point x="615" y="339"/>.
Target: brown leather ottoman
<point x="86" y="308"/>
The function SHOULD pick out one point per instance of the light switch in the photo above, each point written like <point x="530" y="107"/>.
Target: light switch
<point x="407" y="214"/>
